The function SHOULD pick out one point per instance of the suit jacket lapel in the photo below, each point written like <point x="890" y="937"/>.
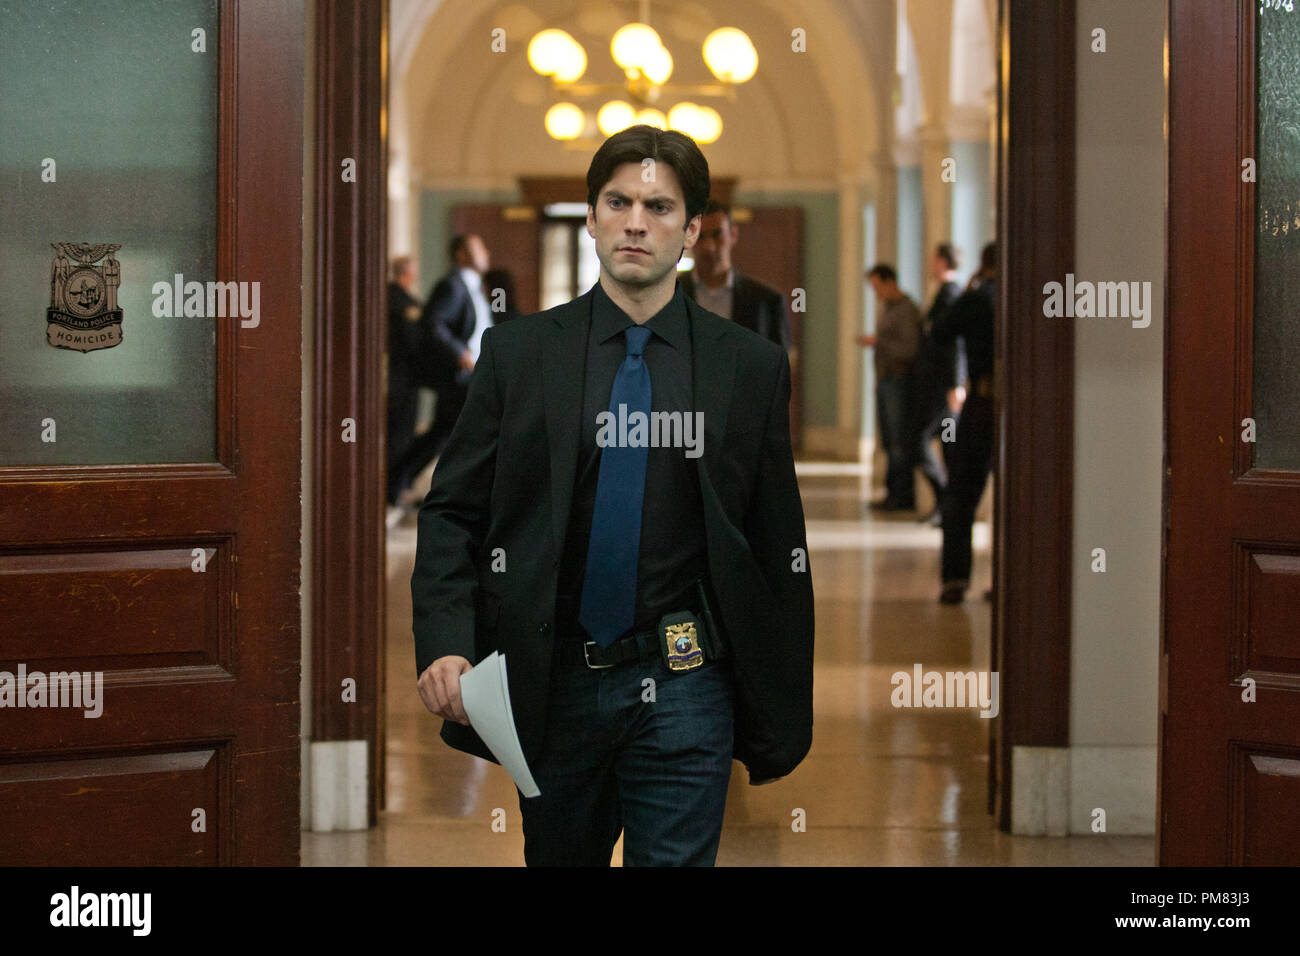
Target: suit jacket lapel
<point x="564" y="359"/>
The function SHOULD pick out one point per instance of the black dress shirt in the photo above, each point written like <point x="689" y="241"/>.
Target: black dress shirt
<point x="672" y="552"/>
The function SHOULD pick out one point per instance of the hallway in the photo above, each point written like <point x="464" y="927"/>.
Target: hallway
<point x="881" y="787"/>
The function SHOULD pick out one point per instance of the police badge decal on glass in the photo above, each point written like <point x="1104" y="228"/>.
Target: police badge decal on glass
<point x="83" y="315"/>
<point x="679" y="641"/>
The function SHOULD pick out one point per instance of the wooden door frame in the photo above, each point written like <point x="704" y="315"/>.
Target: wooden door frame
<point x="348" y="495"/>
<point x="1033" y="387"/>
<point x="1034" y="383"/>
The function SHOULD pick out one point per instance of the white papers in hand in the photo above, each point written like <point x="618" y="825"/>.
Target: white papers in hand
<point x="486" y="697"/>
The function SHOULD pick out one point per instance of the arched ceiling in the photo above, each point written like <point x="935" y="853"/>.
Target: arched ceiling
<point x="476" y="116"/>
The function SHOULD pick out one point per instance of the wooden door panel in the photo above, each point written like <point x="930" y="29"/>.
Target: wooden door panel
<point x="1229" y="774"/>
<point x="152" y="796"/>
<point x="136" y="606"/>
<point x="199" y="668"/>
<point x="1266" y="790"/>
<point x="1267" y="645"/>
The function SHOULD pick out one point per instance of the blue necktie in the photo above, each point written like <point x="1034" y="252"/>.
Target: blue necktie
<point x="609" y="585"/>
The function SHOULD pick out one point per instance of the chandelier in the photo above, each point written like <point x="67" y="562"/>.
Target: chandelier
<point x="647" y="66"/>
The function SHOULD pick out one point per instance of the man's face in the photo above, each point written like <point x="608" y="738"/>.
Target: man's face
<point x="938" y="266"/>
<point x="878" y="286"/>
<point x="640" y="227"/>
<point x="713" y="248"/>
<point x="474" y="255"/>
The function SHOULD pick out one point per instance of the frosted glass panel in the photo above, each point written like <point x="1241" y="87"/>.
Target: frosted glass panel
<point x="109" y="152"/>
<point x="1277" y="238"/>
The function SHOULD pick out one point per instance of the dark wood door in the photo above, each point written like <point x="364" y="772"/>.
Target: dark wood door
<point x="769" y="248"/>
<point x="156" y="548"/>
<point x="1230" y="687"/>
<point x="511" y="234"/>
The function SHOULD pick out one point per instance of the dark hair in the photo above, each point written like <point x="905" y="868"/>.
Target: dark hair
<point x="457" y="243"/>
<point x="637" y="143"/>
<point x="989" y="258"/>
<point x="714" y="206"/>
<point x="948" y="253"/>
<point x="883" y="272"/>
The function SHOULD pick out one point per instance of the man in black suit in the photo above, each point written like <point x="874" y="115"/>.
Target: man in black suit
<point x="403" y="315"/>
<point x="934" y="380"/>
<point x="654" y="605"/>
<point x="447" y="343"/>
<point x="971" y="317"/>
<point x="724" y="290"/>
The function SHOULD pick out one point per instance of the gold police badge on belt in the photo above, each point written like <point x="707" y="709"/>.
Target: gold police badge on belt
<point x="679" y="637"/>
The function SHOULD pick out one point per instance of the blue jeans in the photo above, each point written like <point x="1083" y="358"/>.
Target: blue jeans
<point x="894" y="412"/>
<point x="611" y="761"/>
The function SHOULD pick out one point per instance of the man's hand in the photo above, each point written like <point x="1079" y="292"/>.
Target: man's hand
<point x="467" y="363"/>
<point x="867" y="341"/>
<point x="440" y="688"/>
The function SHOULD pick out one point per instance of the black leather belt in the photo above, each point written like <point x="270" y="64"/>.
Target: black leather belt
<point x="574" y="650"/>
<point x="636" y="647"/>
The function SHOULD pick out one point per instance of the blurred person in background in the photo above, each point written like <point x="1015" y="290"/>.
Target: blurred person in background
<point x="404" y="312"/>
<point x="971" y="458"/>
<point x="897" y="338"/>
<point x="722" y="289"/>
<point x="934" y="380"/>
<point x="446" y="347"/>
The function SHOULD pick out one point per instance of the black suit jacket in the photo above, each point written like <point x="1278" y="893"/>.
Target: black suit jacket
<point x="504" y="487"/>
<point x="404" y="313"/>
<point x="934" y="370"/>
<point x="446" y="324"/>
<point x="755" y="306"/>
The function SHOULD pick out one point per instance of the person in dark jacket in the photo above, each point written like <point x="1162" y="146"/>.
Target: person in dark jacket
<point x="643" y="653"/>
<point x="403" y="391"/>
<point x="934" y="378"/>
<point x="971" y="460"/>
<point x="724" y="290"/>
<point x="446" y="347"/>
<point x="897" y="338"/>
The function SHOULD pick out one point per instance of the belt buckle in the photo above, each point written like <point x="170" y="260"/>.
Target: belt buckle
<point x="587" y="657"/>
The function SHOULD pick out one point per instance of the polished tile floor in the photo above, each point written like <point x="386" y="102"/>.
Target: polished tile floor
<point x="881" y="786"/>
